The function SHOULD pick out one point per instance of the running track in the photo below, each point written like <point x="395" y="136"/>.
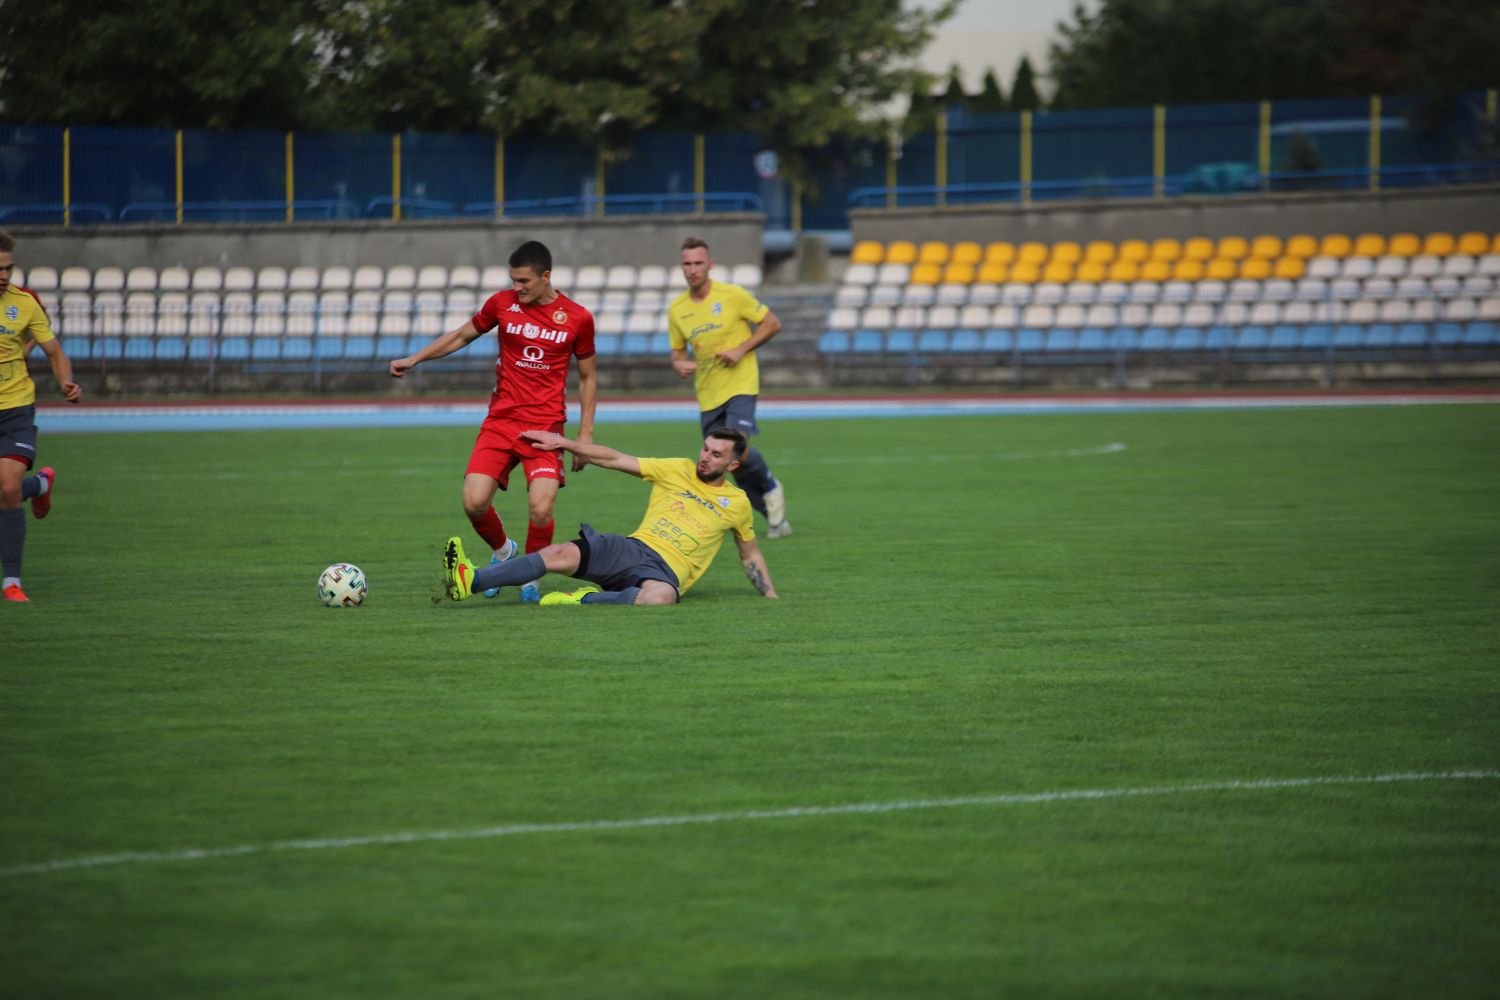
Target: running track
<point x="105" y="417"/>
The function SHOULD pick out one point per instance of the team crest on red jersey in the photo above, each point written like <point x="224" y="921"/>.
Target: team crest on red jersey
<point x="559" y="317"/>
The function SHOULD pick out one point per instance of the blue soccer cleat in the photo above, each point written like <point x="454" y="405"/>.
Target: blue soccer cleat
<point x="510" y="553"/>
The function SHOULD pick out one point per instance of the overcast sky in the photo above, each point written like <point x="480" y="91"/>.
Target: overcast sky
<point x="994" y="34"/>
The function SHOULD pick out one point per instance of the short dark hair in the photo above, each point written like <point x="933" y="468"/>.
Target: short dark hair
<point x="693" y="243"/>
<point x="533" y="255"/>
<point x="741" y="442"/>
<point x="7" y="242"/>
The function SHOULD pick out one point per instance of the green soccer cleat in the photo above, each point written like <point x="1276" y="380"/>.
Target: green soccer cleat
<point x="458" y="572"/>
<point x="569" y="596"/>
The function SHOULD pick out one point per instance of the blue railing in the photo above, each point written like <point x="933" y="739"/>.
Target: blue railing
<point x="653" y="204"/>
<point x="238" y="211"/>
<point x="78" y="212"/>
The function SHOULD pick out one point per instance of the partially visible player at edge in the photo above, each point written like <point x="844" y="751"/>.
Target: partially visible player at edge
<point x="690" y="510"/>
<point x="23" y="325"/>
<point x="724" y="326"/>
<point x="540" y="331"/>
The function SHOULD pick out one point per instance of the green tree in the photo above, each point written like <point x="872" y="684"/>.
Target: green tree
<point x="162" y="63"/>
<point x="954" y="95"/>
<point x="1023" y="95"/>
<point x="990" y="99"/>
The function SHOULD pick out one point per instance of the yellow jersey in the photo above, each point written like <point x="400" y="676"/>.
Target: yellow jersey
<point x="686" y="519"/>
<point x="725" y="318"/>
<point x="21" y="315"/>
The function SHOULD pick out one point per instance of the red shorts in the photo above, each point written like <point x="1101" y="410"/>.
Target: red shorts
<point x="500" y="448"/>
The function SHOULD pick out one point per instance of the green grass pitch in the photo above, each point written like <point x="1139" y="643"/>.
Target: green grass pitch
<point x="972" y="608"/>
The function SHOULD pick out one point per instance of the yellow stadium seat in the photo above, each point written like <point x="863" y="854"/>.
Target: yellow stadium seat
<point x="1268" y="247"/>
<point x="1058" y="270"/>
<point x="1233" y="248"/>
<point x="1255" y="268"/>
<point x="1301" y="246"/>
<point x="1198" y="248"/>
<point x="1495" y="246"/>
<point x="1025" y="272"/>
<point x="1439" y="244"/>
<point x="994" y="272"/>
<point x="1092" y="270"/>
<point x="1404" y="245"/>
<point x="1032" y="253"/>
<point x="1187" y="270"/>
<point x="1369" y="245"/>
<point x="926" y="274"/>
<point x="933" y="252"/>
<point x="1335" y="245"/>
<point x="1166" y="249"/>
<point x="1124" y="270"/>
<point x="1000" y="252"/>
<point x="958" y="274"/>
<point x="1066" y="252"/>
<point x="1290" y="267"/>
<point x="967" y="252"/>
<point x="1473" y="244"/>
<point x="1099" y="252"/>
<point x="901" y="252"/>
<point x="1133" y="252"/>
<point x="1156" y="270"/>
<point x="1221" y="269"/>
<point x="867" y="252"/>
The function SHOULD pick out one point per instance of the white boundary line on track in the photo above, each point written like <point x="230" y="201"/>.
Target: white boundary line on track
<point x="702" y="819"/>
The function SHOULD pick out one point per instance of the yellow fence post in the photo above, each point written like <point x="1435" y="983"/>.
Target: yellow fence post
<point x="891" y="174"/>
<point x="1489" y="105"/>
<point x="1159" y="151"/>
<point x="396" y="177"/>
<point x="67" y="177"/>
<point x="599" y="183"/>
<point x="942" y="157"/>
<point x="291" y="192"/>
<point x="179" y="176"/>
<point x="1374" y="142"/>
<point x="1026" y="157"/>
<point x="1265" y="145"/>
<point x="499" y="177"/>
<point x="700" y="172"/>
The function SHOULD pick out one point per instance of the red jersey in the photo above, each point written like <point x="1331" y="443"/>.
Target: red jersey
<point x="537" y="343"/>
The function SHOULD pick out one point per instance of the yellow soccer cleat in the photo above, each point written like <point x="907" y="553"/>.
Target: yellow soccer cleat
<point x="458" y="572"/>
<point x="570" y="596"/>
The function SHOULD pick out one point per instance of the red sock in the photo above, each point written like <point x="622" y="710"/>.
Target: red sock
<point x="489" y="528"/>
<point x="539" y="536"/>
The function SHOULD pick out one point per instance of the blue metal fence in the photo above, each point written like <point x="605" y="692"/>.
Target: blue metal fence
<point x="57" y="175"/>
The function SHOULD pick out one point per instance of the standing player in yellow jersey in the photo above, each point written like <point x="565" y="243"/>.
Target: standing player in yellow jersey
<point x="691" y="509"/>
<point x="722" y="325"/>
<point x="23" y="322"/>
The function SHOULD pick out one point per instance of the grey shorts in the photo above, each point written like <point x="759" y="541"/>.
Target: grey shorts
<point x="615" y="562"/>
<point x="737" y="412"/>
<point x="18" y="434"/>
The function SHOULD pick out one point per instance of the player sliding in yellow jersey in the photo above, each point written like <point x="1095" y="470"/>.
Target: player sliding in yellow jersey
<point x="692" y="507"/>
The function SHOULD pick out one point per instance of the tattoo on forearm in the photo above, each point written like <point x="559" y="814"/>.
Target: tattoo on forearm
<point x="757" y="578"/>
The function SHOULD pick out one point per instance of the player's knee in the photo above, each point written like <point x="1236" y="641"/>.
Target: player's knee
<point x="656" y="592"/>
<point x="10" y="495"/>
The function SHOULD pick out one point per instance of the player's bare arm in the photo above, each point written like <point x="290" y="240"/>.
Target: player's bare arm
<point x="683" y="365"/>
<point x="62" y="370"/>
<point x="756" y="570"/>
<point x="440" y="347"/>
<point x="767" y="328"/>
<point x="595" y="454"/>
<point x="588" y="401"/>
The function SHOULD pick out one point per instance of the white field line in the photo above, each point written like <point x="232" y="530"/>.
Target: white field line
<point x="703" y="819"/>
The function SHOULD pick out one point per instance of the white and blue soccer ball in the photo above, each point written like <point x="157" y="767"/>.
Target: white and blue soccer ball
<point x="342" y="585"/>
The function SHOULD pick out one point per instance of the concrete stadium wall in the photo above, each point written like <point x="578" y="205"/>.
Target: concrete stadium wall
<point x="1457" y="209"/>
<point x="656" y="239"/>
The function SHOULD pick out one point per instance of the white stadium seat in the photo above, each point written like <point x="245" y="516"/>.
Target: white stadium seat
<point x="860" y="274"/>
<point x="75" y="279"/>
<point x="620" y="276"/>
<point x="239" y="279"/>
<point x="369" y="278"/>
<point x="893" y="274"/>
<point x="464" y="276"/>
<point x="746" y="276"/>
<point x="303" y="278"/>
<point x="877" y="318"/>
<point x="172" y="313"/>
<point x="41" y="279"/>
<point x="495" y="278"/>
<point x="337" y="278"/>
<point x="271" y="279"/>
<point x="851" y="295"/>
<point x="109" y="279"/>
<point x="174" y="279"/>
<point x="652" y="276"/>
<point x="432" y="278"/>
<point x="591" y="277"/>
<point x="141" y="279"/>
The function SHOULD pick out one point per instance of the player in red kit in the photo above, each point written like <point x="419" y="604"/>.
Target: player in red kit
<point x="541" y="331"/>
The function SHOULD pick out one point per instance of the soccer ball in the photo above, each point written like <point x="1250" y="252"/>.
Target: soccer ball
<point x="342" y="586"/>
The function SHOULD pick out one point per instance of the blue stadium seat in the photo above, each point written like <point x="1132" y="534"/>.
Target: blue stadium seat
<point x="1449" y="334"/>
<point x="1127" y="338"/>
<point x="171" y="348"/>
<point x="139" y="349"/>
<point x="1351" y="336"/>
<point x="330" y="348"/>
<point x="1412" y="335"/>
<point x="1219" y="337"/>
<point x="1187" y="338"/>
<point x="659" y="345"/>
<point x="1481" y="333"/>
<point x="1093" y="340"/>
<point x="966" y="342"/>
<point x="900" y="342"/>
<point x="391" y="345"/>
<point x="1061" y="341"/>
<point x="1316" y="337"/>
<point x="933" y="342"/>
<point x="868" y="342"/>
<point x="1252" y="338"/>
<point x="1284" y="337"/>
<point x="265" y="349"/>
<point x="106" y="349"/>
<point x="1156" y="338"/>
<point x="360" y="348"/>
<point x="1031" y="341"/>
<point x="297" y="349"/>
<point x="200" y="349"/>
<point x="607" y="345"/>
<point x="635" y="344"/>
<point x="834" y="342"/>
<point x="999" y="341"/>
<point x="234" y="348"/>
